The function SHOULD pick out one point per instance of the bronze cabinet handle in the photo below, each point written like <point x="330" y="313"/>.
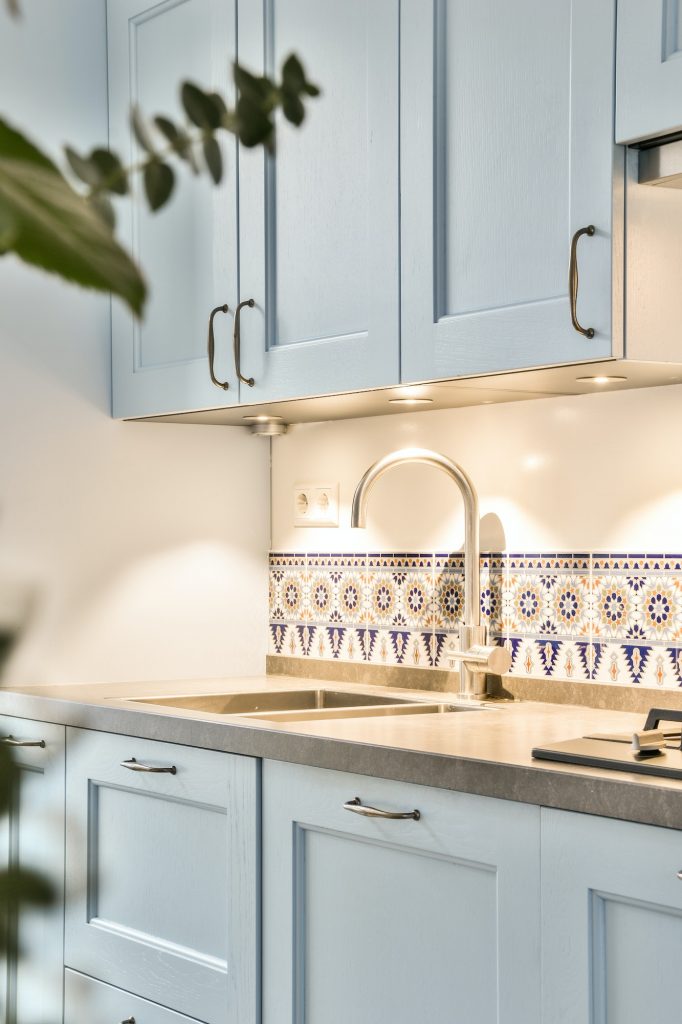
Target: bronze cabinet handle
<point x="135" y="766"/>
<point x="238" y="342"/>
<point x="10" y="741"/>
<point x="588" y="332"/>
<point x="211" y="348"/>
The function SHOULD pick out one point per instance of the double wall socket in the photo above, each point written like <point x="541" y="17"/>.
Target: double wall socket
<point x="316" y="505"/>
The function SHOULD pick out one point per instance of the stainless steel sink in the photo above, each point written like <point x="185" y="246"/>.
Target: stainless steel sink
<point x="302" y="705"/>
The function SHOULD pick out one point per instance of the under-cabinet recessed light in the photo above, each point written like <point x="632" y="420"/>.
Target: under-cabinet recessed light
<point x="261" y="418"/>
<point x="599" y="380"/>
<point x="410" y="401"/>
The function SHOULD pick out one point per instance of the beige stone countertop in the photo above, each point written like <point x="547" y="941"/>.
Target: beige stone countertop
<point x="487" y="752"/>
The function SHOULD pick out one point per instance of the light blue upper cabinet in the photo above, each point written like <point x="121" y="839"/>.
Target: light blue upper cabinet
<point x="189" y="249"/>
<point x="319" y="225"/>
<point x="506" y="143"/>
<point x="649" y="69"/>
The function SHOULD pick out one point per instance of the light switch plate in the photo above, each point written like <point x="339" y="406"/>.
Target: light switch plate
<point x="316" y="504"/>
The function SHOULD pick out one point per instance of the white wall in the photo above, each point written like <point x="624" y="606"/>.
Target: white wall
<point x="141" y="547"/>
<point x="592" y="473"/>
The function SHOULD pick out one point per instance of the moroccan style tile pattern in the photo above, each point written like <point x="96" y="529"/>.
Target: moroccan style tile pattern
<point x="607" y="618"/>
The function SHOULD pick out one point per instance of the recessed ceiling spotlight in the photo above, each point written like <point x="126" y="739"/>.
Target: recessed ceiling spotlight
<point x="599" y="380"/>
<point x="410" y="401"/>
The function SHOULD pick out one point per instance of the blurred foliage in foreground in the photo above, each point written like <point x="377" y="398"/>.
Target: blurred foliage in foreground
<point x="69" y="231"/>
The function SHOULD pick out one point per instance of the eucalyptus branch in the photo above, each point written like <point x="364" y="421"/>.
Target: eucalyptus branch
<point x="48" y="223"/>
<point x="207" y="115"/>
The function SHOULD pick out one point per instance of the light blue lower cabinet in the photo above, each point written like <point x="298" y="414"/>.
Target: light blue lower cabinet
<point x="375" y="920"/>
<point x="612" y="920"/>
<point x="162" y="873"/>
<point x="32" y="837"/>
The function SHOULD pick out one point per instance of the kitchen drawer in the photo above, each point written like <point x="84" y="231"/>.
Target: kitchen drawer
<point x="162" y="872"/>
<point x="87" y="1001"/>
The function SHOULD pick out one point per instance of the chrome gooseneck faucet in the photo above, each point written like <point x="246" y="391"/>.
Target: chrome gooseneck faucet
<point x="475" y="657"/>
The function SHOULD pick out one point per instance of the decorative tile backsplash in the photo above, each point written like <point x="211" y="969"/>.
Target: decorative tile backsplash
<point x="592" y="617"/>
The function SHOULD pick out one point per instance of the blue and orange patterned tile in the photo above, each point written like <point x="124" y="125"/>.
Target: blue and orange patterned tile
<point x="637" y="598"/>
<point x="448" y="595"/>
<point x="547" y="596"/>
<point x="493" y="576"/>
<point x="290" y="583"/>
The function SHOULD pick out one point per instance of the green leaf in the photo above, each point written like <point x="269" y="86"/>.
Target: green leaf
<point x="112" y="175"/>
<point x="220" y="106"/>
<point x="169" y="130"/>
<point x="259" y="90"/>
<point x="294" y="79"/>
<point x="254" y="127"/>
<point x="8" y="779"/>
<point x="200" y="107"/>
<point x="102" y="206"/>
<point x="293" y="75"/>
<point x="101" y="170"/>
<point x="8" y="231"/>
<point x="57" y="229"/>
<point x="180" y="141"/>
<point x="214" y="159"/>
<point x="82" y="167"/>
<point x="158" y="183"/>
<point x="141" y="131"/>
<point x="18" y="885"/>
<point x="293" y="109"/>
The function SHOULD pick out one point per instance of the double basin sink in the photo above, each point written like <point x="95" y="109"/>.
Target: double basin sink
<point x="304" y="705"/>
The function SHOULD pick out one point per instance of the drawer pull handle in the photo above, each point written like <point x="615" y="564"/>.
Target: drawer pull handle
<point x="12" y="742"/>
<point x="211" y="348"/>
<point x="588" y="332"/>
<point x="237" y="340"/>
<point x="135" y="766"/>
<point x="128" y="1020"/>
<point x="357" y="807"/>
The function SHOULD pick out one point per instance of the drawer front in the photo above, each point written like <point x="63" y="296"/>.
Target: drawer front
<point x="87" y="1001"/>
<point x="32" y="837"/>
<point x="162" y="873"/>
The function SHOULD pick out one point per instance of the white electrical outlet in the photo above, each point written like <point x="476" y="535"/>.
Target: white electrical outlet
<point x="316" y="504"/>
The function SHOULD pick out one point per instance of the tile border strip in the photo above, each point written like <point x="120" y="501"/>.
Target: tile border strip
<point x="611" y="619"/>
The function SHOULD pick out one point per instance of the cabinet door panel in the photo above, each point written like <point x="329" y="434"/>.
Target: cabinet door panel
<point x="162" y="873"/>
<point x="506" y="152"/>
<point x="319" y="225"/>
<point x="612" y="920"/>
<point x="188" y="250"/>
<point x="649" y="78"/>
<point x="370" y="920"/>
<point x="33" y="837"/>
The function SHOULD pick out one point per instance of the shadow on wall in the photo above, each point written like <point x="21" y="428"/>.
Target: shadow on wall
<point x="18" y="603"/>
<point x="492" y="533"/>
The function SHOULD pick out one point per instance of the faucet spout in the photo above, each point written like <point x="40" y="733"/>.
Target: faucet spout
<point x="472" y="610"/>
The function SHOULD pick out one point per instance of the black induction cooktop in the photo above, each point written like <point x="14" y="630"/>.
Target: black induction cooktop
<point x="614" y="750"/>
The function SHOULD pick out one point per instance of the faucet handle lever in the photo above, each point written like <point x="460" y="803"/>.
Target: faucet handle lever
<point x="482" y="658"/>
